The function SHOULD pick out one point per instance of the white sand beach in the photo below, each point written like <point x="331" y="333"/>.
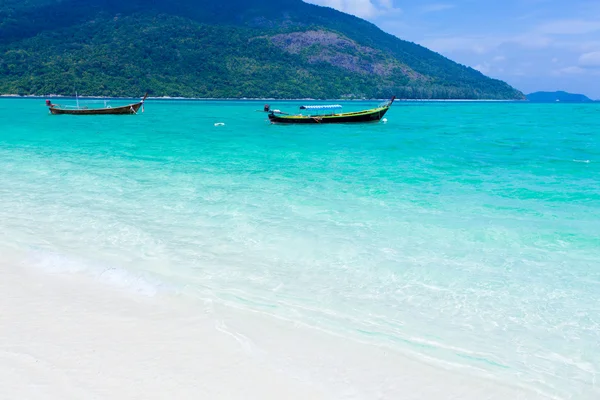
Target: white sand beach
<point x="68" y="336"/>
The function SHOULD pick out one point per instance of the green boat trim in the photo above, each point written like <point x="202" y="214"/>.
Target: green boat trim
<point x="371" y="115"/>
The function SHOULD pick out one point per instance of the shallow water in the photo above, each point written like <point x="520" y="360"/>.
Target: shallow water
<point x="467" y="234"/>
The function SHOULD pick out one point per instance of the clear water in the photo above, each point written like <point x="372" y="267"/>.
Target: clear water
<point x="465" y="233"/>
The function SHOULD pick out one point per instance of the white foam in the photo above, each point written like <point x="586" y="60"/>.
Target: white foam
<point x="56" y="263"/>
<point x="67" y="336"/>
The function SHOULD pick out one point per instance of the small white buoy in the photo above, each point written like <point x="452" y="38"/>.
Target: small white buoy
<point x="219" y="124"/>
<point x="384" y="120"/>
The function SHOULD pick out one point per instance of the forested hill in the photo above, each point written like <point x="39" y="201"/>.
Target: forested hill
<point x="551" y="97"/>
<point x="233" y="48"/>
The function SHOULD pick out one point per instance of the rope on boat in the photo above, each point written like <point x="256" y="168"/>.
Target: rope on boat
<point x="317" y="119"/>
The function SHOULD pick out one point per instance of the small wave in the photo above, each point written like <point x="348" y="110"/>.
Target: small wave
<point x="582" y="161"/>
<point x="53" y="262"/>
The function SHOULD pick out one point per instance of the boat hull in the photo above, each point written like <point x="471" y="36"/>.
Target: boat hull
<point x="123" y="110"/>
<point x="345" y="118"/>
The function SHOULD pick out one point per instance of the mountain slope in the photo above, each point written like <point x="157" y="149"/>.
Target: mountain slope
<point x="210" y="49"/>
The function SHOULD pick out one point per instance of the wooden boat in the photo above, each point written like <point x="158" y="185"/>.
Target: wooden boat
<point x="106" y="110"/>
<point x="329" y="115"/>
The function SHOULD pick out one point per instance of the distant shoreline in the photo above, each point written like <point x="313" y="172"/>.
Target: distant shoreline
<point x="56" y="96"/>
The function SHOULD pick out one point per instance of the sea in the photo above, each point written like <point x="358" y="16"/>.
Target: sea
<point x="463" y="233"/>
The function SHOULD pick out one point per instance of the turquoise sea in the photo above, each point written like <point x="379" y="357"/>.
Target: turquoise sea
<point x="465" y="234"/>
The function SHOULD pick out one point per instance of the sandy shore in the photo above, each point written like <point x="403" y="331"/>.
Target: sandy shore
<point x="38" y="96"/>
<point x="68" y="336"/>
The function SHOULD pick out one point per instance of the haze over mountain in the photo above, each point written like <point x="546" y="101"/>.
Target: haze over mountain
<point x="253" y="48"/>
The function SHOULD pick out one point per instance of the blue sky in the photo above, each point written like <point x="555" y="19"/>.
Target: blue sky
<point x="531" y="44"/>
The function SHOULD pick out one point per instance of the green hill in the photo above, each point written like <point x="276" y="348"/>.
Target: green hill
<point x="252" y="48"/>
<point x="552" y="97"/>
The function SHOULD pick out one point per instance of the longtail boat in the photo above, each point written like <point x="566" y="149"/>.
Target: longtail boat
<point x="106" y="110"/>
<point x="329" y="114"/>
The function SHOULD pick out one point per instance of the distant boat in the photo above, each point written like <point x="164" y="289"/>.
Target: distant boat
<point x="329" y="115"/>
<point x="106" y="110"/>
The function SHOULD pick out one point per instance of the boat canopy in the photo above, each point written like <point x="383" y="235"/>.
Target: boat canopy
<point x="325" y="107"/>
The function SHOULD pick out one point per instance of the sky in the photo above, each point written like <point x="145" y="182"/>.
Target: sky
<point x="533" y="45"/>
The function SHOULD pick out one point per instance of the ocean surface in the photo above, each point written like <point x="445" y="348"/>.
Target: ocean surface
<point x="463" y="234"/>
